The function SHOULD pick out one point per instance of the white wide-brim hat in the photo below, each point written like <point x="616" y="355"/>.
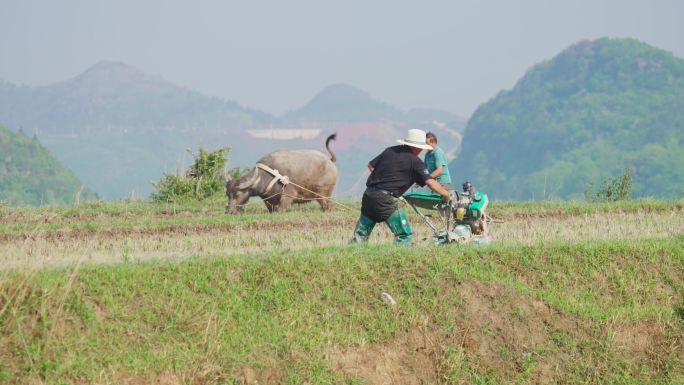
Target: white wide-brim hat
<point x="415" y="138"/>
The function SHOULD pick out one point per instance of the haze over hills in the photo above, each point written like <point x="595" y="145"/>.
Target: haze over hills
<point x="112" y="96"/>
<point x="343" y="103"/>
<point x="594" y="109"/>
<point x="30" y="175"/>
<point x="119" y="129"/>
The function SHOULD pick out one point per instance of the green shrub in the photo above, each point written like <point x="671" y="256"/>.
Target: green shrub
<point x="204" y="179"/>
<point x="612" y="189"/>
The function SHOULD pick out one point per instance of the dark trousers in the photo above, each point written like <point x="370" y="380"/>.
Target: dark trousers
<point x="377" y="206"/>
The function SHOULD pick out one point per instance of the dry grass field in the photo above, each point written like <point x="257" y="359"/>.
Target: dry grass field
<point x="57" y="239"/>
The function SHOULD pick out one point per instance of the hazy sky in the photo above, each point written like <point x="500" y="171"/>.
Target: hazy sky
<point x="275" y="55"/>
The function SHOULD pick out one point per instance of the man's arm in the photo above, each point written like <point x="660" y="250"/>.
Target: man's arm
<point x="421" y="174"/>
<point x="436" y="187"/>
<point x="437" y="172"/>
<point x="440" y="162"/>
<point x="370" y="167"/>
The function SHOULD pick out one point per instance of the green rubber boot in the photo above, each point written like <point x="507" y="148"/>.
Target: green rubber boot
<point x="363" y="229"/>
<point x="400" y="227"/>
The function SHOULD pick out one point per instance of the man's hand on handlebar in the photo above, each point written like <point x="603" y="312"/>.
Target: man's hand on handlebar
<point x="436" y="187"/>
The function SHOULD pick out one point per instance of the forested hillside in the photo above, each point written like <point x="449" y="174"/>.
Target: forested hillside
<point x="595" y="109"/>
<point x="30" y="175"/>
<point x="119" y="129"/>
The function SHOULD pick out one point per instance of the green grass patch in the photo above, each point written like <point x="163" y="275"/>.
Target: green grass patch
<point x="288" y="312"/>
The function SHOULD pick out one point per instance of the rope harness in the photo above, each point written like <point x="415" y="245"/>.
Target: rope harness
<point x="277" y="177"/>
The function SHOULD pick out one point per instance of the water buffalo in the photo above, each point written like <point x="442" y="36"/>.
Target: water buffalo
<point x="314" y="171"/>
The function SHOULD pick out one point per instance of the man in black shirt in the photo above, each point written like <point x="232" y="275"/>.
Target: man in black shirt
<point x="392" y="173"/>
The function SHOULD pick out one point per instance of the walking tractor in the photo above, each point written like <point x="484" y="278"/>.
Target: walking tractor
<point x="461" y="220"/>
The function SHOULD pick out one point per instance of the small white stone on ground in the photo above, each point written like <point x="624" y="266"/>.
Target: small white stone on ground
<point x="388" y="299"/>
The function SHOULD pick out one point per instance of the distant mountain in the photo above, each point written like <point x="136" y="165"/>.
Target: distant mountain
<point x="344" y="103"/>
<point x="597" y="107"/>
<point x="119" y="129"/>
<point x="112" y="96"/>
<point x="29" y="175"/>
<point x="420" y="116"/>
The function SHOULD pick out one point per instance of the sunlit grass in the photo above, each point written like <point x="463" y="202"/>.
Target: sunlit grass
<point x="226" y="312"/>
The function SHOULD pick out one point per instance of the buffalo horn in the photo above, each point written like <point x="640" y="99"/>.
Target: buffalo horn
<point x="250" y="182"/>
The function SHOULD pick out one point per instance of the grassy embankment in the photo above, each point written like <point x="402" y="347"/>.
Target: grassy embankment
<point x="582" y="309"/>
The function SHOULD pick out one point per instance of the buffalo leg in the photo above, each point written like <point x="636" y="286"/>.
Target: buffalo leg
<point x="326" y="204"/>
<point x="283" y="204"/>
<point x="285" y="199"/>
<point x="272" y="203"/>
<point x="269" y="206"/>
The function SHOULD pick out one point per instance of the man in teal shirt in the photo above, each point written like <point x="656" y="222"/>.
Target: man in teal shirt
<point x="436" y="163"/>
